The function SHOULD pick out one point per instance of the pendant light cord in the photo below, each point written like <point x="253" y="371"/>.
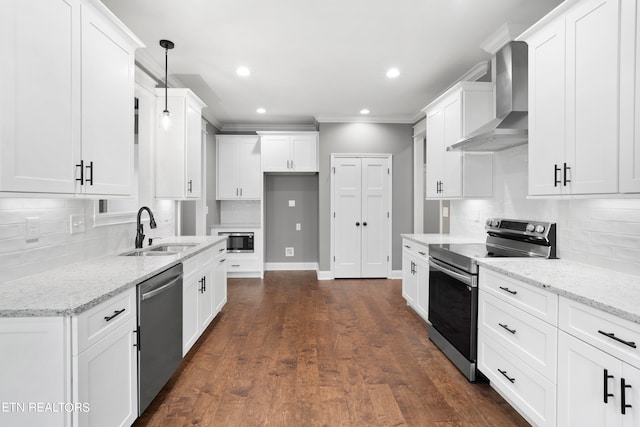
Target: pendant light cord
<point x="166" y="77"/>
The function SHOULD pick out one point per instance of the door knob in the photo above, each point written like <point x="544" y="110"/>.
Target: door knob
<point x="364" y="223"/>
<point x="357" y="224"/>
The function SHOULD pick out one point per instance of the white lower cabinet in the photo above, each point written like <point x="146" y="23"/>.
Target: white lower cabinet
<point x="105" y="362"/>
<point x="415" y="277"/>
<point x="517" y="344"/>
<point x="204" y="292"/>
<point x="107" y="380"/>
<point x="593" y="387"/>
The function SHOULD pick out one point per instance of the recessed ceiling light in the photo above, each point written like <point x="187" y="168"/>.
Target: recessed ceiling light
<point x="243" y="71"/>
<point x="393" y="73"/>
<point x="364" y="111"/>
<point x="261" y="110"/>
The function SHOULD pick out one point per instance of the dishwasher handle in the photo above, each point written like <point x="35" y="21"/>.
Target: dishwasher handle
<point x="161" y="289"/>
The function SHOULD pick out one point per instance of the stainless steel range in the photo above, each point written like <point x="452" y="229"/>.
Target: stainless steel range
<point x="453" y="283"/>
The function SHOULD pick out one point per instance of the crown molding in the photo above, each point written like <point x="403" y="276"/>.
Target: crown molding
<point x="503" y="35"/>
<point x="366" y="119"/>
<point x="478" y="71"/>
<point x="268" y="127"/>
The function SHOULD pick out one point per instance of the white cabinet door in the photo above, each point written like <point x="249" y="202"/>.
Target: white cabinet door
<point x="190" y="320"/>
<point x="452" y="180"/>
<point x="193" y="176"/>
<point x="435" y="153"/>
<point x="547" y="132"/>
<point x="220" y="283"/>
<point x="179" y="146"/>
<point x="249" y="175"/>
<point x="630" y="98"/>
<point x="587" y="377"/>
<point x="108" y="380"/>
<point x="238" y="172"/>
<point x="206" y="310"/>
<point x="227" y="170"/>
<point x="409" y="278"/>
<point x="107" y="106"/>
<point x="276" y="155"/>
<point x="631" y="415"/>
<point x="422" y="284"/>
<point x="40" y="123"/>
<point x="593" y="34"/>
<point x="304" y="153"/>
<point x="375" y="217"/>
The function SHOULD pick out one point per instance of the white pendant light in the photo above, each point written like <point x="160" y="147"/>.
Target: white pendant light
<point x="166" y="115"/>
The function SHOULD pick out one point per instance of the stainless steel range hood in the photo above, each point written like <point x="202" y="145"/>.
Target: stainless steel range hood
<point x="510" y="129"/>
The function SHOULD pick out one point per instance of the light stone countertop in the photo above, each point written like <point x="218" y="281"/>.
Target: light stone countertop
<point x="606" y="290"/>
<point x="74" y="288"/>
<point x="437" y="238"/>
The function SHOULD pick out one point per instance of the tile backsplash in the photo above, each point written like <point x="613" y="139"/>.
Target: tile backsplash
<point x="56" y="246"/>
<point x="603" y="232"/>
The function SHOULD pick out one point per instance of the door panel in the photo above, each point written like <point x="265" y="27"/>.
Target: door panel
<point x="347" y="205"/>
<point x="375" y="204"/>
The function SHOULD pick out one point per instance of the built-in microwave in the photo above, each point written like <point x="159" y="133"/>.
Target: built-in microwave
<point x="238" y="242"/>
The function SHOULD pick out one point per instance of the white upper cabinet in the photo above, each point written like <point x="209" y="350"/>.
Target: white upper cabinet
<point x="179" y="146"/>
<point x="574" y="100"/>
<point x="456" y="113"/>
<point x="238" y="167"/>
<point x="289" y="152"/>
<point x="66" y="108"/>
<point x="630" y="98"/>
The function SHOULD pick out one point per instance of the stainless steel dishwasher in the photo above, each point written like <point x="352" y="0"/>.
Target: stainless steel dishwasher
<point x="159" y="332"/>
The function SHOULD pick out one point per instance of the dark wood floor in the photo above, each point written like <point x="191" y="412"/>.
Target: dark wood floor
<point x="293" y="351"/>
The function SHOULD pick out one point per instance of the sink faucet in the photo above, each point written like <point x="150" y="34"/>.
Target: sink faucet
<point x="140" y="231"/>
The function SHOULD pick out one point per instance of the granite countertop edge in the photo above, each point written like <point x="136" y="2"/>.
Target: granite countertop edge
<point x="33" y="288"/>
<point x="616" y="299"/>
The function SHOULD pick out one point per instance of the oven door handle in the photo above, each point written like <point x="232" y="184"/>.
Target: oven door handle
<point x="444" y="269"/>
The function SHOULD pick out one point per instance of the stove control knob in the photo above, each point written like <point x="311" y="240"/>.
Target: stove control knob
<point x="489" y="222"/>
<point x="539" y="228"/>
<point x="530" y="228"/>
<point x="495" y="222"/>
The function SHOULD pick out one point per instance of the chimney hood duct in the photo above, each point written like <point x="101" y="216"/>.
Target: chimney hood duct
<point x="510" y="129"/>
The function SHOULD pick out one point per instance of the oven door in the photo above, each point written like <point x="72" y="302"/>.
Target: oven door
<point x="453" y="306"/>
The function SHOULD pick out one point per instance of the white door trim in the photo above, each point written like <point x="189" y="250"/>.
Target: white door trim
<point x="389" y="157"/>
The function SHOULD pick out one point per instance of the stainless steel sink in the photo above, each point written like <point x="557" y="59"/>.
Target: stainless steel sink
<point x="168" y="247"/>
<point x="161" y="250"/>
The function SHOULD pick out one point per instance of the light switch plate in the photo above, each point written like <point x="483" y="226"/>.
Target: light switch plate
<point x="445" y="212"/>
<point x="32" y="228"/>
<point x="298" y="226"/>
<point x="292" y="203"/>
<point x="76" y="224"/>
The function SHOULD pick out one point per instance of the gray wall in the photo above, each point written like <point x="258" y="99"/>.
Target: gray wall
<point x="395" y="139"/>
<point x="280" y="219"/>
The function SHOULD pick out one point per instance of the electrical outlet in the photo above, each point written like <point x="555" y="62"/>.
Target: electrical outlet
<point x="288" y="251"/>
<point x="76" y="224"/>
<point x="292" y="203"/>
<point x="298" y="226"/>
<point x="445" y="212"/>
<point x="32" y="228"/>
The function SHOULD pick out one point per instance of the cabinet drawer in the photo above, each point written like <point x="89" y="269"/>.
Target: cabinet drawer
<point x="528" y="337"/>
<point x="535" y="301"/>
<point x="190" y="266"/>
<point x="97" y="322"/>
<point x="609" y="333"/>
<point x="416" y="249"/>
<point x="242" y="264"/>
<point x="220" y="249"/>
<point x="531" y="394"/>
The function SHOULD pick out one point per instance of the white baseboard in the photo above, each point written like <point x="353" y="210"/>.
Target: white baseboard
<point x="325" y="275"/>
<point x="273" y="266"/>
<point x="396" y="274"/>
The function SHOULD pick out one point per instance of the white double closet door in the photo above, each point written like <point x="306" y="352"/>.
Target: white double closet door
<point x="361" y="217"/>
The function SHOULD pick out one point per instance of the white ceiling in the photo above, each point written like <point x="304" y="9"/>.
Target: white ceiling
<point x="320" y="59"/>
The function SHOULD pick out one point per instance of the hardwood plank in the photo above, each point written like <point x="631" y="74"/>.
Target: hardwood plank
<point x="290" y="351"/>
